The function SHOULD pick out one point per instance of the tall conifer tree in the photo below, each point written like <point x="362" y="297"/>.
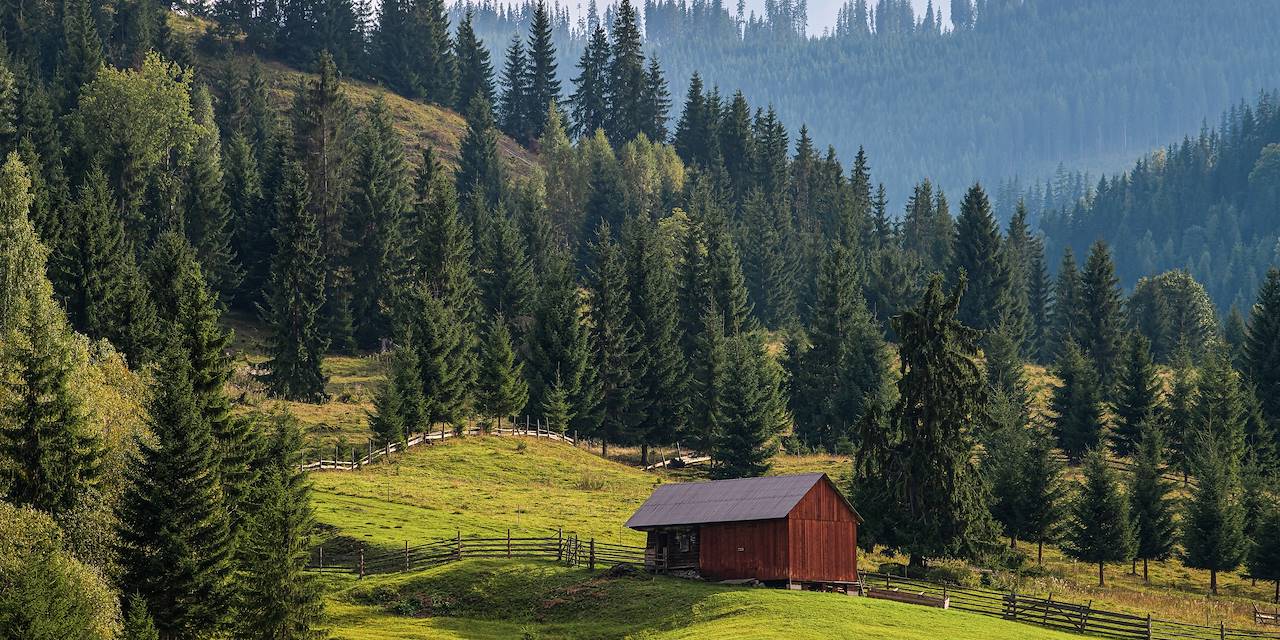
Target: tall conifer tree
<point x="1137" y="397"/>
<point x="1102" y="308"/>
<point x="296" y="295"/>
<point x="177" y="545"/>
<point x="502" y="390"/>
<point x="544" y="86"/>
<point x="475" y="69"/>
<point x="589" y="103"/>
<point x="480" y="172"/>
<point x="1149" y="502"/>
<point x="755" y="411"/>
<point x="626" y="77"/>
<point x="980" y="253"/>
<point x="1076" y="404"/>
<point x="380" y="206"/>
<point x="1099" y="530"/>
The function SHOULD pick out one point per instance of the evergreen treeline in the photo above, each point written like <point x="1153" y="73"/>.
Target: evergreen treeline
<point x="1024" y="85"/>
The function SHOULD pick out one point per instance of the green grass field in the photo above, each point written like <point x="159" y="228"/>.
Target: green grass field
<point x="485" y="599"/>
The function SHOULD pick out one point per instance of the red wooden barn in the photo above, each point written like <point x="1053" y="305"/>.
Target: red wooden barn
<point x="794" y="529"/>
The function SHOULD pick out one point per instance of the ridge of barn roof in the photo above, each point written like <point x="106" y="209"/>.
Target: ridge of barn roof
<point x="736" y="500"/>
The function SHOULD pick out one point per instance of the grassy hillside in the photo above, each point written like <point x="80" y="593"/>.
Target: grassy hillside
<point x="478" y="599"/>
<point x="484" y="485"/>
<point x="419" y="124"/>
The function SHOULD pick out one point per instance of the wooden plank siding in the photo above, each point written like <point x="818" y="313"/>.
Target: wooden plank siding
<point x="734" y="550"/>
<point x="822" y="537"/>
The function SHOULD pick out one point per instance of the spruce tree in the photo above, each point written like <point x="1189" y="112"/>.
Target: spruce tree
<point x="626" y="77"/>
<point x="506" y="273"/>
<point x="655" y="318"/>
<point x="1076" y="404"/>
<point x="137" y="622"/>
<point x="1179" y="416"/>
<point x="295" y="296"/>
<point x="1264" y="554"/>
<point x="513" y="102"/>
<point x="1213" y="535"/>
<point x="1137" y="396"/>
<point x="1066" y="319"/>
<point x="107" y="297"/>
<point x="589" y="102"/>
<point x="844" y="368"/>
<point x="322" y="145"/>
<point x="1262" y="346"/>
<point x="558" y="346"/>
<point x="1102" y="309"/>
<point x="475" y="70"/>
<point x="445" y="342"/>
<point x="502" y="389"/>
<point x="1149" y="502"/>
<point x="1235" y="334"/>
<point x="980" y="253"/>
<point x="723" y="272"/>
<point x="1219" y="411"/>
<point x="556" y="409"/>
<point x="208" y="214"/>
<point x="694" y="131"/>
<point x="176" y="543"/>
<point x="399" y="408"/>
<point x="1099" y="529"/>
<point x="917" y="466"/>
<point x="754" y="409"/>
<point x="544" y="86"/>
<point x="251" y="218"/>
<point x="279" y="600"/>
<point x="442" y="244"/>
<point x="1044" y="493"/>
<point x="617" y="416"/>
<point x="196" y="322"/>
<point x="51" y="451"/>
<point x="380" y="205"/>
<point x="708" y="385"/>
<point x="656" y="103"/>
<point x="1039" y="296"/>
<point x="480" y="173"/>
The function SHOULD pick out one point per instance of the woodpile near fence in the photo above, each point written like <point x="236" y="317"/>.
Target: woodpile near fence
<point x="1056" y="614"/>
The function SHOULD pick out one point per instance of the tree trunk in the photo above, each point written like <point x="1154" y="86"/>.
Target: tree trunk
<point x="644" y="455"/>
<point x="1276" y="599"/>
<point x="916" y="562"/>
<point x="604" y="449"/>
<point x="1146" y="579"/>
<point x="1133" y="568"/>
<point x="1013" y="542"/>
<point x="1102" y="580"/>
<point x="1040" y="552"/>
<point x="1213" y="581"/>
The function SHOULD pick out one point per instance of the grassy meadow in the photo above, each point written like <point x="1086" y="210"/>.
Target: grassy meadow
<point x="484" y="599"/>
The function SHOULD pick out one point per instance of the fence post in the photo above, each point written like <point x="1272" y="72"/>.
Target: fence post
<point x="1148" y="626"/>
<point x="1013" y="605"/>
<point x="1222" y="630"/>
<point x="508" y="542"/>
<point x="458" y="552"/>
<point x="559" y="544"/>
<point x="591" y="559"/>
<point x="362" y="561"/>
<point x="322" y="558"/>
<point x="406" y="555"/>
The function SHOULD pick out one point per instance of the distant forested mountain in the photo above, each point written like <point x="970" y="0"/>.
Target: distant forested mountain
<point x="1209" y="204"/>
<point x="1016" y="88"/>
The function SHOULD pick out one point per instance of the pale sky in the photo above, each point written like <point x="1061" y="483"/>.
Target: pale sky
<point x="822" y="13"/>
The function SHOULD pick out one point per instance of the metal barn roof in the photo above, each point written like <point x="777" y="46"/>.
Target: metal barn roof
<point x="735" y="500"/>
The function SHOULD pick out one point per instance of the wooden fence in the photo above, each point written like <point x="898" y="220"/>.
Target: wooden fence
<point x="1057" y="614"/>
<point x="352" y="459"/>
<point x="570" y="550"/>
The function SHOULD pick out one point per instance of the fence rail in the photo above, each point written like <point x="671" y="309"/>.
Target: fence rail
<point x="354" y="460"/>
<point x="570" y="550"/>
<point x="1065" y="616"/>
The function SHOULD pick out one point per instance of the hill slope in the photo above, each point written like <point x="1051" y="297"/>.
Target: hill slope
<point x="492" y="599"/>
